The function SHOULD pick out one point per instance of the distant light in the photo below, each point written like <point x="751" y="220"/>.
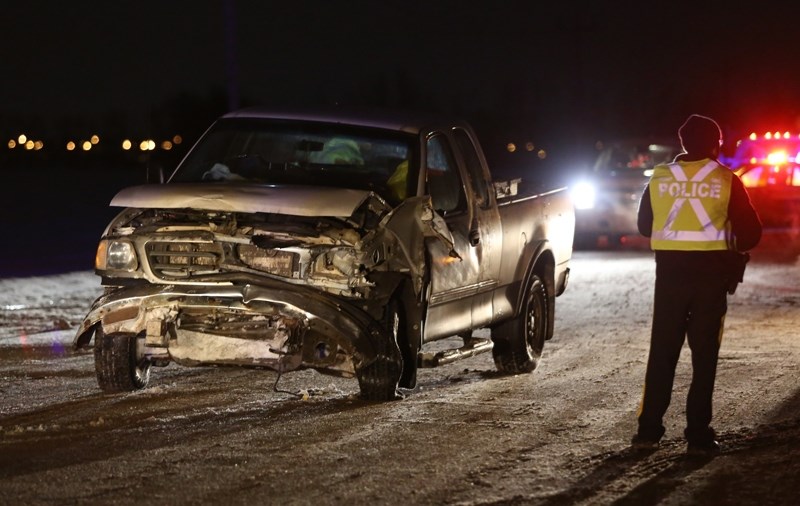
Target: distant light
<point x="22" y="139"/>
<point x="87" y="145"/>
<point x="177" y="139"/>
<point x="29" y="145"/>
<point x="147" y="145"/>
<point x="753" y="136"/>
<point x="12" y="144"/>
<point x="777" y="135"/>
<point x="786" y="135"/>
<point x="511" y="147"/>
<point x="38" y="145"/>
<point x="754" y="160"/>
<point x="768" y="136"/>
<point x="542" y="154"/>
<point x="166" y="145"/>
<point x="529" y="146"/>
<point x="95" y="139"/>
<point x="70" y="146"/>
<point x="127" y="144"/>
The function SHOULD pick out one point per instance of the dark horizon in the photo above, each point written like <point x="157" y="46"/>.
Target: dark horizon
<point x="562" y="75"/>
<point x="568" y="71"/>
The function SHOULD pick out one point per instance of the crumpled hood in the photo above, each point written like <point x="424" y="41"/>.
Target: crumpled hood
<point x="288" y="200"/>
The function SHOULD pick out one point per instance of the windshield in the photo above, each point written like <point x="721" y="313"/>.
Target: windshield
<point x="634" y="158"/>
<point x="267" y="151"/>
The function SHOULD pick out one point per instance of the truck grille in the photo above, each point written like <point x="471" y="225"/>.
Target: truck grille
<point x="182" y="260"/>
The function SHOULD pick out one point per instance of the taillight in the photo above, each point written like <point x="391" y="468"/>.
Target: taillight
<point x="771" y="176"/>
<point x="752" y="177"/>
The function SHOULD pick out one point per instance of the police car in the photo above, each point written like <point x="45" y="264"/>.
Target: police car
<point x="606" y="198"/>
<point x="769" y="166"/>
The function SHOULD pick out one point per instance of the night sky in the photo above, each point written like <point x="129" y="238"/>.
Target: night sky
<point x="580" y="69"/>
<point x="563" y="75"/>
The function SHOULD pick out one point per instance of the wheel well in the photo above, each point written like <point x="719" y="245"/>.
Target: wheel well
<point x="545" y="268"/>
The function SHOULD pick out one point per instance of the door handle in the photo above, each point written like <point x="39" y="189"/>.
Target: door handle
<point x="474" y="238"/>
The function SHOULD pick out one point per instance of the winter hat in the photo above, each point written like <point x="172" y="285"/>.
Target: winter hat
<point x="700" y="134"/>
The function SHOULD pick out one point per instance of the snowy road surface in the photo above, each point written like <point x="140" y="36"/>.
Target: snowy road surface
<point x="465" y="436"/>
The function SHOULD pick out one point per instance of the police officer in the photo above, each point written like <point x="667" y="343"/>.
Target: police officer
<point x="698" y="215"/>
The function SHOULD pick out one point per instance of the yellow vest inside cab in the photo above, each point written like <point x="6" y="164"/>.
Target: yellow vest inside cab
<point x="690" y="206"/>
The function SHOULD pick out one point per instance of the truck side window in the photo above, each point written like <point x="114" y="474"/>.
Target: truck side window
<point x="444" y="181"/>
<point x="474" y="166"/>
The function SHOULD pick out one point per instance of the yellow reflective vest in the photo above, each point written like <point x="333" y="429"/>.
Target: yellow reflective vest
<point x="690" y="206"/>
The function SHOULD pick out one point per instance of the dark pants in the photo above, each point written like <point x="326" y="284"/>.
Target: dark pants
<point x="686" y="306"/>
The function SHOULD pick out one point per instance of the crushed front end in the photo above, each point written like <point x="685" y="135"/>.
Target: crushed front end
<point x="253" y="288"/>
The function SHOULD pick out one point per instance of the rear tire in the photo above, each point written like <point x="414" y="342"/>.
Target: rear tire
<point x="117" y="364"/>
<point x="378" y="380"/>
<point x="518" y="343"/>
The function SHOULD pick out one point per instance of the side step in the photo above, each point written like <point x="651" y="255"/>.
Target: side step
<point x="474" y="346"/>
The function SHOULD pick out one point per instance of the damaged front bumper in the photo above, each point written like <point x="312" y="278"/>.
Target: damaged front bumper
<point x="248" y="325"/>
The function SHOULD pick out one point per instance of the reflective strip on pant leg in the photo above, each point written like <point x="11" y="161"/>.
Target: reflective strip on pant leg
<point x="641" y="402"/>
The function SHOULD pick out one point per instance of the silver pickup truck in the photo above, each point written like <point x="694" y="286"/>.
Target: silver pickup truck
<point x="342" y="243"/>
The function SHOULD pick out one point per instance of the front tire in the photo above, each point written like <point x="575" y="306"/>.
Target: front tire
<point x="518" y="343"/>
<point x="378" y="380"/>
<point x="118" y="366"/>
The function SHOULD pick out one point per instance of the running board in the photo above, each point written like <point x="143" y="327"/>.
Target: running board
<point x="473" y="347"/>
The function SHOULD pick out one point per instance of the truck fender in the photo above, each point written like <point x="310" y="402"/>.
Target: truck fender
<point x="408" y="226"/>
<point x="542" y="263"/>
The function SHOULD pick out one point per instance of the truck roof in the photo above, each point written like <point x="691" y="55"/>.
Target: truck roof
<point x="405" y="121"/>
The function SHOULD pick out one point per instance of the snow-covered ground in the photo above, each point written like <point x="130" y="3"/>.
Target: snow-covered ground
<point x="465" y="436"/>
<point x="45" y="309"/>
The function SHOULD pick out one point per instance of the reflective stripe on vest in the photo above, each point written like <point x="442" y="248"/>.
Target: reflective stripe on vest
<point x="706" y="193"/>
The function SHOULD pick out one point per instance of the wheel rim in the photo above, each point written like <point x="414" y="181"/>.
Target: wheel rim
<point x="394" y="324"/>
<point x="141" y="371"/>
<point x="534" y="320"/>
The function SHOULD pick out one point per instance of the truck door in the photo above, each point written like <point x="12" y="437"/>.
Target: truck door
<point x="454" y="281"/>
<point x="485" y="235"/>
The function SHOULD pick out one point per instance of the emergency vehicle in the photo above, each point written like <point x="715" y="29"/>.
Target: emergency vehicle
<point x="769" y="166"/>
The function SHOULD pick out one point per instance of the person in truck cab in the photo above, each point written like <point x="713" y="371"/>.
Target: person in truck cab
<point x="698" y="217"/>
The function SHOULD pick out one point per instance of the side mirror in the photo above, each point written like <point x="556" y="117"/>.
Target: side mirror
<point x="154" y="174"/>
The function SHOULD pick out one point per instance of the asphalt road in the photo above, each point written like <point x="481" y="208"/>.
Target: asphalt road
<point x="465" y="435"/>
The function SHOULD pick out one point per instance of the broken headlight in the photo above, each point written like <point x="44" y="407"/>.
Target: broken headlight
<point x="117" y="255"/>
<point x="339" y="268"/>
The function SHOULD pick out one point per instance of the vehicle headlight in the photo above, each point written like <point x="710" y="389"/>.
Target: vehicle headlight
<point x="116" y="255"/>
<point x="583" y="195"/>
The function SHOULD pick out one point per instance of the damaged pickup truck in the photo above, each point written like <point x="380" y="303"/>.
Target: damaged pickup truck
<point x="346" y="244"/>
